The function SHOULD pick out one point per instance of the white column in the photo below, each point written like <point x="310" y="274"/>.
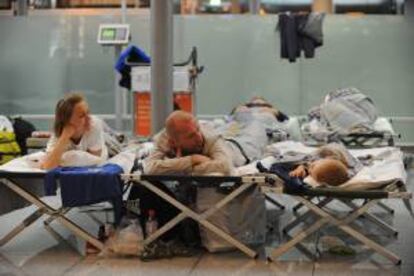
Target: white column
<point x="254" y="6"/>
<point x="161" y="62"/>
<point x="20" y="7"/>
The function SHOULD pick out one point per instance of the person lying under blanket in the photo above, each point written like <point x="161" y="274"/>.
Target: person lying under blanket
<point x="259" y="106"/>
<point x="258" y="110"/>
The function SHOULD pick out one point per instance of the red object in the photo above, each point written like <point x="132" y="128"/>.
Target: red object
<point x="142" y="115"/>
<point x="142" y="109"/>
<point x="183" y="101"/>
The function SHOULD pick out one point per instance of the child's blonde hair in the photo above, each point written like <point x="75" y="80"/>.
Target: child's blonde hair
<point x="332" y="153"/>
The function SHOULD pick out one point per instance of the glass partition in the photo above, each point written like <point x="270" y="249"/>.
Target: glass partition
<point x="229" y="6"/>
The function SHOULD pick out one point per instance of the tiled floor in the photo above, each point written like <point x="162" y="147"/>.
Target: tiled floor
<point x="40" y="252"/>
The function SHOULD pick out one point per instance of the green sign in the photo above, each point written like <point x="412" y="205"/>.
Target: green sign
<point x="108" y="34"/>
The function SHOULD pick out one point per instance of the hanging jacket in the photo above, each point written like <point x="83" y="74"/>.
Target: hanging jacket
<point x="299" y="32"/>
<point x="130" y="54"/>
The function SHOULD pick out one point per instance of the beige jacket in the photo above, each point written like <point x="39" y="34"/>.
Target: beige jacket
<point x="163" y="161"/>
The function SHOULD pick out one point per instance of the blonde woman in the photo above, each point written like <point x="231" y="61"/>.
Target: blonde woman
<point x="75" y="131"/>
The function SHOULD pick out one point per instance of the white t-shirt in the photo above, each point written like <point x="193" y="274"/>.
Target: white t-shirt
<point x="92" y="140"/>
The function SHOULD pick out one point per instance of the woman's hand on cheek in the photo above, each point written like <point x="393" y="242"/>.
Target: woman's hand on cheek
<point x="68" y="131"/>
<point x="88" y="122"/>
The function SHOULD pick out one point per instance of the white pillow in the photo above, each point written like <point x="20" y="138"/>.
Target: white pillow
<point x="79" y="158"/>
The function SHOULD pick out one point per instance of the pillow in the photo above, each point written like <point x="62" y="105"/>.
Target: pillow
<point x="78" y="158"/>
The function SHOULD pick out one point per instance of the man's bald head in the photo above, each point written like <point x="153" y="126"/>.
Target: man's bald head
<point x="184" y="132"/>
<point x="178" y="122"/>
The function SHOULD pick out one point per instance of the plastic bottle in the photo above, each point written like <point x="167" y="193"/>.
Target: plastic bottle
<point x="101" y="233"/>
<point x="151" y="225"/>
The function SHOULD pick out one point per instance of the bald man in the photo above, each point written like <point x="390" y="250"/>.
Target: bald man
<point x="187" y="148"/>
<point x="183" y="147"/>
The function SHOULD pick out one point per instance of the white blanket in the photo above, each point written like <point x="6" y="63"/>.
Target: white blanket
<point x="31" y="162"/>
<point x="319" y="131"/>
<point x="387" y="165"/>
<point x="28" y="163"/>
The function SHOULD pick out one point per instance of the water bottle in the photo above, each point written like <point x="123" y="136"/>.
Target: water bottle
<point x="151" y="225"/>
<point x="101" y="233"/>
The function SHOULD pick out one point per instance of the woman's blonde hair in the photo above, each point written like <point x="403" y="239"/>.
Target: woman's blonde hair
<point x="64" y="110"/>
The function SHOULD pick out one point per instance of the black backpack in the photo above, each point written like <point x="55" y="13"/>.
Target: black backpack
<point x="23" y="130"/>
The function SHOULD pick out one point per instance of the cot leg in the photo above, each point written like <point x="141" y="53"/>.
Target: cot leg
<point x="375" y="220"/>
<point x="50" y="219"/>
<point x="200" y="218"/>
<point x="343" y="224"/>
<point x="386" y="227"/>
<point x="297" y="207"/>
<point x="21" y="226"/>
<point x="386" y="208"/>
<point x="370" y="243"/>
<point x="296" y="239"/>
<point x="297" y="220"/>
<point x="275" y="202"/>
<point x="303" y="249"/>
<point x="78" y="231"/>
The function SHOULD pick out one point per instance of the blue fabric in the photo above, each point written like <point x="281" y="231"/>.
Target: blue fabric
<point x="292" y="185"/>
<point x="82" y="186"/>
<point x="133" y="52"/>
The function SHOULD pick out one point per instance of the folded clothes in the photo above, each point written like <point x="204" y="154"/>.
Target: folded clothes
<point x="82" y="186"/>
<point x="292" y="185"/>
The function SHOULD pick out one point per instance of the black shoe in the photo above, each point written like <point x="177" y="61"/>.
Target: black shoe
<point x="178" y="249"/>
<point x="156" y="250"/>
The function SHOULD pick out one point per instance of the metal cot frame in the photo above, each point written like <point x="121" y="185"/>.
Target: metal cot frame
<point x="241" y="184"/>
<point x="59" y="214"/>
<point x="324" y="217"/>
<point x="353" y="140"/>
